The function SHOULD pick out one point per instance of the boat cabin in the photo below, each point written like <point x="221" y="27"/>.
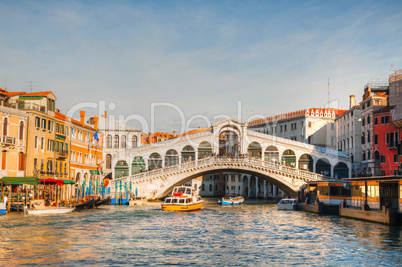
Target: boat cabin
<point x="182" y="190"/>
<point x="377" y="192"/>
<point x="328" y="192"/>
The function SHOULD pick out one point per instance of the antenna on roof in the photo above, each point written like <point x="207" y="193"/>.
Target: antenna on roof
<point x="328" y="93"/>
<point x="30" y="84"/>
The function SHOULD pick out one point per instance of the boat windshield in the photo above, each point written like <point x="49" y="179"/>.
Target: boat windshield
<point x="168" y="200"/>
<point x="287" y="201"/>
<point x="188" y="191"/>
<point x="181" y="190"/>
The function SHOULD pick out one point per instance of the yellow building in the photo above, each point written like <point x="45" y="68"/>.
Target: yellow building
<point x="86" y="152"/>
<point x="12" y="136"/>
<point x="40" y="149"/>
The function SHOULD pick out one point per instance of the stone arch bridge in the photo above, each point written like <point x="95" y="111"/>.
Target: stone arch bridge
<point x="227" y="146"/>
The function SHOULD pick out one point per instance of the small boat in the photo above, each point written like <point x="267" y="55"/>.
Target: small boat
<point x="102" y="201"/>
<point x="3" y="208"/>
<point x="231" y="200"/>
<point x="184" y="198"/>
<point x="84" y="205"/>
<point x="287" y="204"/>
<point x="52" y="210"/>
<point x="136" y="201"/>
<point x="93" y="204"/>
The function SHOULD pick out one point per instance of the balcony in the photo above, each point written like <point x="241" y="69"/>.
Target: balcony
<point x="7" y="140"/>
<point x="61" y="154"/>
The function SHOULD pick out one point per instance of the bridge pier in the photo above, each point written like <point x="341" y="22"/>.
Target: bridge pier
<point x="265" y="189"/>
<point x="257" y="188"/>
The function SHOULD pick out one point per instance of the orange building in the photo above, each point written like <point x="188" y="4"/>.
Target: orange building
<point x="86" y="152"/>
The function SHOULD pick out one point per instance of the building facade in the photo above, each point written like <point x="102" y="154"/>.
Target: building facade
<point x="314" y="126"/>
<point x="86" y="153"/>
<point x="375" y="97"/>
<point x="348" y="126"/>
<point x="13" y="129"/>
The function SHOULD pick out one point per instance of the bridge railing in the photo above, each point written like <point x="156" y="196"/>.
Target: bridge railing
<point x="217" y="159"/>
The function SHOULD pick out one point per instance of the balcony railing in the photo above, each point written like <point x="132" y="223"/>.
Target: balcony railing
<point x="61" y="154"/>
<point x="7" y="140"/>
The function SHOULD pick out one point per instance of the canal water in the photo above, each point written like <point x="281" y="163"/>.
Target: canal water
<point x="249" y="235"/>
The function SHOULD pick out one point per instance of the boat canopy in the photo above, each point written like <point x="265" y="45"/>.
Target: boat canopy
<point x="7" y="180"/>
<point x="51" y="181"/>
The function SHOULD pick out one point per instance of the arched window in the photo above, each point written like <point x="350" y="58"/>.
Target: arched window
<point x="21" y="161"/>
<point x="123" y="142"/>
<point x="116" y="141"/>
<point x="108" y="161"/>
<point x="134" y="141"/>
<point x="21" y="130"/>
<point x="5" y="124"/>
<point x="109" y="141"/>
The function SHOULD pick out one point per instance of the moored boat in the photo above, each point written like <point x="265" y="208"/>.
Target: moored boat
<point x="231" y="200"/>
<point x="184" y="198"/>
<point x="136" y="201"/>
<point x="52" y="210"/>
<point x="102" y="201"/>
<point x="287" y="204"/>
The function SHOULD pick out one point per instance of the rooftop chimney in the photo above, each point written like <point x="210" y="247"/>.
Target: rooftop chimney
<point x="82" y="116"/>
<point x="105" y="116"/>
<point x="96" y="123"/>
<point x="174" y="133"/>
<point x="352" y="101"/>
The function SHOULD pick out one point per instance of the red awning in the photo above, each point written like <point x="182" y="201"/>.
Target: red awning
<point x="51" y="181"/>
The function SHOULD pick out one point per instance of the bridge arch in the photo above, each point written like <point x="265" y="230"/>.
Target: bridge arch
<point x="187" y="154"/>
<point x="288" y="158"/>
<point x="171" y="158"/>
<point x="341" y="170"/>
<point x="306" y="162"/>
<point x="254" y="150"/>
<point x="204" y="150"/>
<point x="323" y="167"/>
<point x="274" y="179"/>
<point x="271" y="154"/>
<point x="154" y="161"/>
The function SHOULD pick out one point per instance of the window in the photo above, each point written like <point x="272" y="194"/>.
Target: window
<point x="66" y="130"/>
<point x="116" y="141"/>
<point x="5" y="126"/>
<point x="123" y="142"/>
<point x="42" y="143"/>
<point x="43" y="124"/>
<point x="3" y="160"/>
<point x="368" y="137"/>
<point x="203" y="187"/>
<point x="363" y="121"/>
<point x="396" y="158"/>
<point x="109" y="141"/>
<point x="36" y="142"/>
<point x="21" y="130"/>
<point x="368" y="154"/>
<point x="37" y="122"/>
<point x="363" y="139"/>
<point x="285" y="127"/>
<point x="387" y="138"/>
<point x="281" y="128"/>
<point x="376" y="121"/>
<point x="49" y="126"/>
<point x="65" y="168"/>
<point x="210" y="187"/>
<point x="216" y="187"/>
<point x="368" y="119"/>
<point x="382" y="159"/>
<point x="382" y="172"/>
<point x="134" y="141"/>
<point x="376" y="139"/>
<point x="108" y="161"/>
<point x="364" y="155"/>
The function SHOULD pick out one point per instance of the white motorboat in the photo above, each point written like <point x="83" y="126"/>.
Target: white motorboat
<point x="136" y="201"/>
<point x="287" y="204"/>
<point x="50" y="211"/>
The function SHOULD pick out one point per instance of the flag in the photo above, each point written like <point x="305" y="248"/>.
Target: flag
<point x="96" y="136"/>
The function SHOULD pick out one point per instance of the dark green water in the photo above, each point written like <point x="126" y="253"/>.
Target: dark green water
<point x="245" y="235"/>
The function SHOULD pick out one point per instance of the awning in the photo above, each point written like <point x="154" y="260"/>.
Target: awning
<point x="7" y="180"/>
<point x="51" y="181"/>
<point x="69" y="182"/>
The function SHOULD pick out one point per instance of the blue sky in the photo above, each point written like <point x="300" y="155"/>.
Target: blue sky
<point x="203" y="56"/>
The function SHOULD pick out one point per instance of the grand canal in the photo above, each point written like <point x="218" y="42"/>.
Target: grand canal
<point x="253" y="234"/>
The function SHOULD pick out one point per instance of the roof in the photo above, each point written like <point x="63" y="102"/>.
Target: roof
<point x="61" y="116"/>
<point x="79" y="123"/>
<point x="384" y="109"/>
<point x="35" y="94"/>
<point x="193" y="132"/>
<point x="321" y="112"/>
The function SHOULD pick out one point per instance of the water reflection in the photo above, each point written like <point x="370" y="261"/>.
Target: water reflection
<point x="240" y="235"/>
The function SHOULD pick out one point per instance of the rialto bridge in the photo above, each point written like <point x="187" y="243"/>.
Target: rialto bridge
<point x="227" y="146"/>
